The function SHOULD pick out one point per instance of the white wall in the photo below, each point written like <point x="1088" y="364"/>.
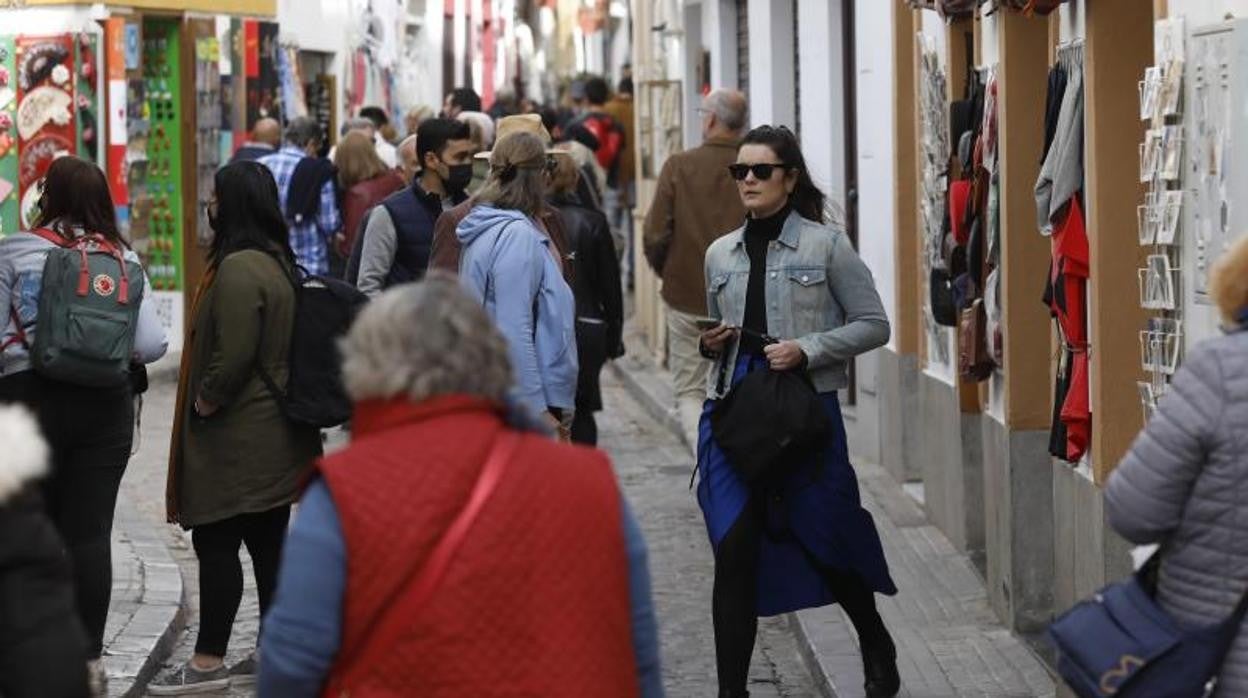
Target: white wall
<point x="719" y="36"/>
<point x="771" y="62"/>
<point x="694" y="15"/>
<point x="1198" y="12"/>
<point x="876" y="171"/>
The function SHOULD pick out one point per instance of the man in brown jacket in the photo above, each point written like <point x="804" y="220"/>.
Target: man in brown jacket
<point x="696" y="202"/>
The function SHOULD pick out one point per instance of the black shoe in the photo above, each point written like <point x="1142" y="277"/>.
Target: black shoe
<point x="879" y="665"/>
<point x="723" y="693"/>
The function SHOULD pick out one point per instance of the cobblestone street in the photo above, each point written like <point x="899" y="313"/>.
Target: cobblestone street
<point x="654" y="470"/>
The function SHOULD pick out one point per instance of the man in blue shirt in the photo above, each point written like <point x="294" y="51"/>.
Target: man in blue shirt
<point x="305" y="188"/>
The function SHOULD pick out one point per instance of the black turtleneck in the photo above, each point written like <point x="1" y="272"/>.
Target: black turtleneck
<point x="759" y="234"/>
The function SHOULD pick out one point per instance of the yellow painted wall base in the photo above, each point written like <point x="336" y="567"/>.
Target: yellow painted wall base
<point x="267" y="8"/>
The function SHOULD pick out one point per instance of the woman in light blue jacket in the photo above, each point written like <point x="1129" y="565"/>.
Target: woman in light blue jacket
<point x="511" y="267"/>
<point x="791" y="295"/>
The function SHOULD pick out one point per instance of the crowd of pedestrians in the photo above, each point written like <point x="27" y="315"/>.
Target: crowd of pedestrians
<point x="487" y="253"/>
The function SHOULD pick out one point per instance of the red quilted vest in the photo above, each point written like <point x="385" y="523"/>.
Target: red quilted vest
<point x="535" y="602"/>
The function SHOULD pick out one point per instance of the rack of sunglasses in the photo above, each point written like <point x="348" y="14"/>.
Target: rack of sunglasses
<point x="162" y="90"/>
<point x="1160" y="216"/>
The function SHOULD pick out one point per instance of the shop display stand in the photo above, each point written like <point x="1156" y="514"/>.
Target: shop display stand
<point x="163" y="180"/>
<point x="208" y="107"/>
<point x="934" y="151"/>
<point x="1159" y="217"/>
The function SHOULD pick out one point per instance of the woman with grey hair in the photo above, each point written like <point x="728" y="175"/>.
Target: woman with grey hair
<point x="442" y="468"/>
<point x="510" y="266"/>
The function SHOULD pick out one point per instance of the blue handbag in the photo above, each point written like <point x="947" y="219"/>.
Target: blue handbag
<point x="1122" y="643"/>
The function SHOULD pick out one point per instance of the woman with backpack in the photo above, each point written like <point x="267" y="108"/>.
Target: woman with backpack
<point x="236" y="461"/>
<point x="514" y="270"/>
<point x="1184" y="482"/>
<point x="81" y="391"/>
<point x="795" y="536"/>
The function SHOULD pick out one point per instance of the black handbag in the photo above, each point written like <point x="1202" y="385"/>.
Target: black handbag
<point x="769" y="423"/>
<point x="941" y="292"/>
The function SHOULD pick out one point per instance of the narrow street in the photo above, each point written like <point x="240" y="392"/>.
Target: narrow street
<point x="653" y="467"/>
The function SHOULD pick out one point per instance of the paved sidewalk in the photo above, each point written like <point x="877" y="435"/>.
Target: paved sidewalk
<point x="146" y="611"/>
<point x="949" y="641"/>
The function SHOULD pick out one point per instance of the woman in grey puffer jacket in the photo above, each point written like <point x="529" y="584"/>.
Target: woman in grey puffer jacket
<point x="1184" y="483"/>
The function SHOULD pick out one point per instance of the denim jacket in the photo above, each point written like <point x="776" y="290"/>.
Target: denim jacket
<point x="819" y="292"/>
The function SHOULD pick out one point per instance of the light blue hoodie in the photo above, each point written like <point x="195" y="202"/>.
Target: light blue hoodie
<point x="507" y="265"/>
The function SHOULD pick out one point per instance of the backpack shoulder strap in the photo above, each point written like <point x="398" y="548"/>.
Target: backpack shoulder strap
<point x="412" y="595"/>
<point x="51" y="236"/>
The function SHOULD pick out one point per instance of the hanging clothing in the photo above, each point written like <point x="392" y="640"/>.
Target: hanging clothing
<point x="1053" y="106"/>
<point x="1062" y="173"/>
<point x="1067" y="298"/>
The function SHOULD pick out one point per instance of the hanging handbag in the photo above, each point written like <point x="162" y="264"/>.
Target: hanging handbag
<point x="974" y="360"/>
<point x="941" y="292"/>
<point x="1122" y="643"/>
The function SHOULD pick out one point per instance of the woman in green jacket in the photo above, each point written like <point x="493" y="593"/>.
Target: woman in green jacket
<point x="236" y="461"/>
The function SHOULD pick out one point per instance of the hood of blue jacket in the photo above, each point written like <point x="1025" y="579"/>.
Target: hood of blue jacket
<point x="485" y="219"/>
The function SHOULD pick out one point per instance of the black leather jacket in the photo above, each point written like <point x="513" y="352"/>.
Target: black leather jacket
<point x="597" y="287"/>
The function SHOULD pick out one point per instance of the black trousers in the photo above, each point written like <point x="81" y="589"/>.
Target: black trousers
<point x="734" y="600"/>
<point x="221" y="571"/>
<point x="90" y="431"/>
<point x="591" y="351"/>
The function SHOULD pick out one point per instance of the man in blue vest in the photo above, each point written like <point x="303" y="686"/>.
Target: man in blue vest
<point x="394" y="248"/>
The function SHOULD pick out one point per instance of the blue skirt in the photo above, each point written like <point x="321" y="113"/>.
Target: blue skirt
<point x="819" y="514"/>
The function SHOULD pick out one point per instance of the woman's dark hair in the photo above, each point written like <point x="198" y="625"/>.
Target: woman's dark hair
<point x="806" y="198"/>
<point x="249" y="215"/>
<point x="75" y="193"/>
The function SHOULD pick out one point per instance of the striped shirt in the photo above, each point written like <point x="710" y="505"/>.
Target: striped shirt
<point x="310" y="239"/>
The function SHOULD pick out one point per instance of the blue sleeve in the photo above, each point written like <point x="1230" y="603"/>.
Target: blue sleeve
<point x="329" y="220"/>
<point x="303" y="628"/>
<point x="517" y="281"/>
<point x="645" y="628"/>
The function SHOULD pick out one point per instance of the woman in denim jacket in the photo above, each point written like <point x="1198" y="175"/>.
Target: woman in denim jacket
<point x="806" y="542"/>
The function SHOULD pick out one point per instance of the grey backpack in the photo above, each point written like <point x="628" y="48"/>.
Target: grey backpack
<point x="88" y="312"/>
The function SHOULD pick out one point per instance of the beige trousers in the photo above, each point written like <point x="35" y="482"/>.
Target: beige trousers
<point x="689" y="370"/>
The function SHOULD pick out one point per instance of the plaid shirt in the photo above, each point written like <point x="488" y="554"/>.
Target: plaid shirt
<point x="309" y="240"/>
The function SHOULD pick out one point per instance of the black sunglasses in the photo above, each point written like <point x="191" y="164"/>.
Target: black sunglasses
<point x="762" y="171"/>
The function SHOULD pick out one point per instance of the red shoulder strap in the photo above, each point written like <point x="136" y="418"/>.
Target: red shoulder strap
<point x="52" y="236"/>
<point x="422" y="585"/>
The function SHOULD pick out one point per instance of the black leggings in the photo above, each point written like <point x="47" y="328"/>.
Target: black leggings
<point x="734" y="601"/>
<point x="221" y="570"/>
<point x="90" y="431"/>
